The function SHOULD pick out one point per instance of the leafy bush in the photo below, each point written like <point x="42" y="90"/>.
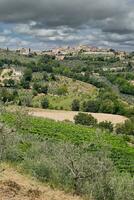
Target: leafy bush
<point x="75" y="105"/>
<point x="106" y="125"/>
<point x="62" y="90"/>
<point x="27" y="75"/>
<point x="91" y="106"/>
<point x="85" y="119"/>
<point x="40" y="89"/>
<point x="25" y="84"/>
<point x="126" y="128"/>
<point x="6" y="95"/>
<point x="107" y="106"/>
<point x="45" y="103"/>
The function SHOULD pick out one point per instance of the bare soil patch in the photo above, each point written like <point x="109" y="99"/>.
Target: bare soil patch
<point x="14" y="186"/>
<point x="69" y="115"/>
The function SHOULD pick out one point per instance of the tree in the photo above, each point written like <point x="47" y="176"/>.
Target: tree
<point x="85" y="119"/>
<point x="75" y="105"/>
<point x="91" y="106"/>
<point x="45" y="103"/>
<point x="107" y="106"/>
<point x="27" y="75"/>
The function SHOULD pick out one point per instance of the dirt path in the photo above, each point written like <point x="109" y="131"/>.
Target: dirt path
<point x="69" y="115"/>
<point x="14" y="186"/>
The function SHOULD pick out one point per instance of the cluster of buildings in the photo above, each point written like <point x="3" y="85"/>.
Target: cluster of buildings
<point x="62" y="52"/>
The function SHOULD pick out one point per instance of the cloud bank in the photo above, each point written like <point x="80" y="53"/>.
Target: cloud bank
<point x="57" y="22"/>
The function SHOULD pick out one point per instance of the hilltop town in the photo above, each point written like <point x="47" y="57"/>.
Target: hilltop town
<point x="62" y="52"/>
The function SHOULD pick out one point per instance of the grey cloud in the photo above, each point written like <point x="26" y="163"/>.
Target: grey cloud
<point x="61" y="12"/>
<point x="101" y="22"/>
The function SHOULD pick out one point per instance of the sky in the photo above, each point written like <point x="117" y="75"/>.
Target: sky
<point x="45" y="24"/>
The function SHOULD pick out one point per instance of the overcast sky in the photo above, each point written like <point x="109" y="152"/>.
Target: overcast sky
<point x="42" y="24"/>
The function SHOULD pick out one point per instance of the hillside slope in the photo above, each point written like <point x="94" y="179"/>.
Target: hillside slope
<point x="15" y="186"/>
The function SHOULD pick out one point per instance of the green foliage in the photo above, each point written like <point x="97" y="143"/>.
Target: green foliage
<point x="25" y="100"/>
<point x="45" y="76"/>
<point x="75" y="105"/>
<point x="107" y="106"/>
<point x="124" y="85"/>
<point x="45" y="103"/>
<point x="106" y="125"/>
<point x="85" y="119"/>
<point x="9" y="83"/>
<point x="91" y="106"/>
<point x="6" y="95"/>
<point x="73" y="168"/>
<point x="40" y="89"/>
<point x="121" y="153"/>
<point x="126" y="128"/>
<point x="25" y="84"/>
<point x="62" y="90"/>
<point x="27" y="75"/>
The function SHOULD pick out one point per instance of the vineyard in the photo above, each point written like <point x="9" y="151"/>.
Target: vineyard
<point x="116" y="146"/>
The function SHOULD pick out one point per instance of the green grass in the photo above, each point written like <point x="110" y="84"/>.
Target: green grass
<point x="121" y="154"/>
<point x="76" y="90"/>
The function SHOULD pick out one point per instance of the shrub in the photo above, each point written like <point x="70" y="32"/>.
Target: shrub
<point x="6" y="95"/>
<point x="6" y="140"/>
<point x="27" y="75"/>
<point x="45" y="76"/>
<point x="62" y="90"/>
<point x="44" y="89"/>
<point x="9" y="83"/>
<point x="91" y="106"/>
<point x="107" y="106"/>
<point x="25" y="84"/>
<point x="25" y="101"/>
<point x="45" y="103"/>
<point x="106" y="125"/>
<point x="40" y="89"/>
<point x="75" y="105"/>
<point x="85" y="119"/>
<point x="126" y="128"/>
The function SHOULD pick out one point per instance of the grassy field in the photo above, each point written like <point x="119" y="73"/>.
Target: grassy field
<point x="75" y="90"/>
<point x="119" y="151"/>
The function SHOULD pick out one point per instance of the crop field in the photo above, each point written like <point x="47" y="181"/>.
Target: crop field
<point x="116" y="146"/>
